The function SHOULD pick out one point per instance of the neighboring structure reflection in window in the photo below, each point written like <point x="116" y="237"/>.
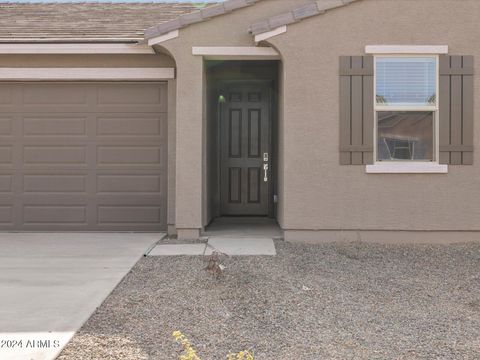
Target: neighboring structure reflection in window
<point x="405" y="135"/>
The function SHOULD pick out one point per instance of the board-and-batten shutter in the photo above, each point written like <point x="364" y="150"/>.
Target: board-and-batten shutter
<point x="456" y="109"/>
<point x="356" y="110"/>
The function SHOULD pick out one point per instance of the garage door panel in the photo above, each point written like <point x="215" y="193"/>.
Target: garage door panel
<point x="6" y="125"/>
<point x="54" y="124"/>
<point x="108" y="184"/>
<point x="54" y="214"/>
<point x="129" y="214"/>
<point x="54" y="183"/>
<point x="7" y="198"/>
<point x="7" y="143"/>
<point x="57" y="198"/>
<point x="126" y="227"/>
<point x="130" y="199"/>
<point x="6" y="152"/>
<point x="132" y="94"/>
<point x="74" y="155"/>
<point x="129" y="155"/>
<point x="128" y="125"/>
<point x="136" y="141"/>
<point x="56" y="141"/>
<point x="6" y="215"/>
<point x="128" y="109"/>
<point x="6" y="94"/>
<point x="6" y="184"/>
<point x="55" y="94"/>
<point x="132" y="171"/>
<point x="92" y="158"/>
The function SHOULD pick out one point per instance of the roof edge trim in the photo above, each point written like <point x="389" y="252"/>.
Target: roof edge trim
<point x="296" y="15"/>
<point x="269" y="34"/>
<point x="197" y="17"/>
<point x="162" y="38"/>
<point x="71" y="40"/>
<point x="72" y="48"/>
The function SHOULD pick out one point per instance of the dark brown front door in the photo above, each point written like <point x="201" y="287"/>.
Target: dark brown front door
<point x="245" y="149"/>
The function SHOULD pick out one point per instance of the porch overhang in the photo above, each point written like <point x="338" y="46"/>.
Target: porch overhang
<point x="236" y="52"/>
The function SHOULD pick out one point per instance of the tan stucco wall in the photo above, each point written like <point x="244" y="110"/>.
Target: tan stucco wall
<point x="321" y="194"/>
<point x="228" y="30"/>
<point x="315" y="192"/>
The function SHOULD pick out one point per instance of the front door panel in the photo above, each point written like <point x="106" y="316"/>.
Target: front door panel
<point x="245" y="149"/>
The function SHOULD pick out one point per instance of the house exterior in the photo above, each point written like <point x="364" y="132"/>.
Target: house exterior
<point x="342" y="119"/>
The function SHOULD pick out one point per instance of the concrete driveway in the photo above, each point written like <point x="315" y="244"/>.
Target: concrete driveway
<point x="50" y="283"/>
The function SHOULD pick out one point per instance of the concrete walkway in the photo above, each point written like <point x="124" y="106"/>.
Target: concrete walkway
<point x="234" y="236"/>
<point x="50" y="283"/>
<point x="232" y="246"/>
<point x="238" y="227"/>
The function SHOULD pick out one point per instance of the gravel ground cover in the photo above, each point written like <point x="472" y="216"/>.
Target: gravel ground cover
<point x="331" y="301"/>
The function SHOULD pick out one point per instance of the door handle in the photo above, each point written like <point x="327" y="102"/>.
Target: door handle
<point x="265" y="167"/>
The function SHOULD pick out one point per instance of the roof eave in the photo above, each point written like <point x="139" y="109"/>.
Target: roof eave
<point x="66" y="40"/>
<point x="74" y="48"/>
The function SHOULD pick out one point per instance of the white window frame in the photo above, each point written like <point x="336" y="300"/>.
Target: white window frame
<point x="407" y="166"/>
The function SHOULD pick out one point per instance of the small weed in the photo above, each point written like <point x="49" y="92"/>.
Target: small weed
<point x="189" y="353"/>
<point x="215" y="267"/>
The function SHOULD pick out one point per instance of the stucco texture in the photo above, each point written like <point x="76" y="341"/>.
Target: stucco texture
<point x="227" y="30"/>
<point x="315" y="192"/>
<point x="320" y="194"/>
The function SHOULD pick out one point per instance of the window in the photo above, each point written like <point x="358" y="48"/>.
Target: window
<point x="406" y="108"/>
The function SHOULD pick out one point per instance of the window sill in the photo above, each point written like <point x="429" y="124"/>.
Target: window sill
<point x="409" y="168"/>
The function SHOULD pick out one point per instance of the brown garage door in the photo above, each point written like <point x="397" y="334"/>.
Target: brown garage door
<point x="83" y="156"/>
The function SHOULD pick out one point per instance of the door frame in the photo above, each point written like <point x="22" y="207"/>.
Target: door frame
<point x="272" y="142"/>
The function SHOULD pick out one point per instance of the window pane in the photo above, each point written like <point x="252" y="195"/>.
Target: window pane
<point x="406" y="81"/>
<point x="405" y="135"/>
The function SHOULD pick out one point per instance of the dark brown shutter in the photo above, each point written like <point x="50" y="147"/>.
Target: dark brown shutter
<point x="356" y="110"/>
<point x="456" y="110"/>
